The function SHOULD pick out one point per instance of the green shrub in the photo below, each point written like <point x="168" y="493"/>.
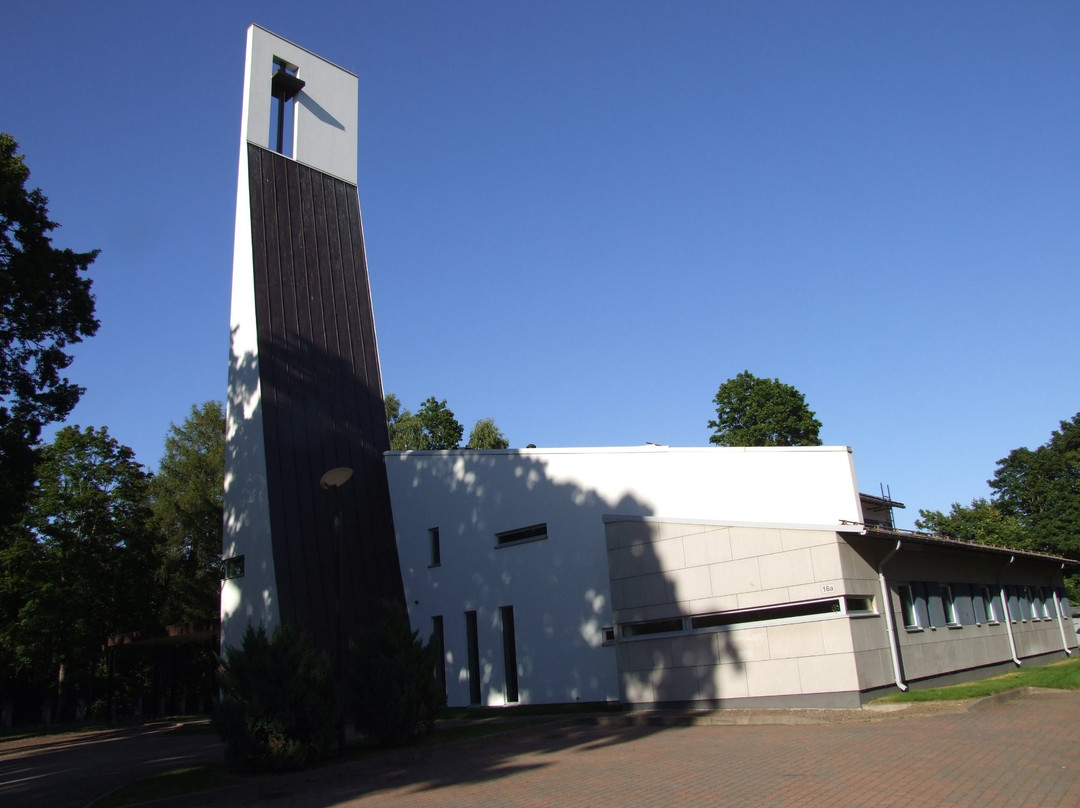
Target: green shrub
<point x="396" y="695"/>
<point x="280" y="707"/>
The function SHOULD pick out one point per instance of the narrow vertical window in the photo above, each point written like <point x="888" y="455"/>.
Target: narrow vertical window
<point x="440" y="648"/>
<point x="993" y="609"/>
<point x="436" y="552"/>
<point x="979" y="603"/>
<point x="907" y="607"/>
<point x="1048" y="603"/>
<point x="284" y="86"/>
<point x="473" y="641"/>
<point x="964" y="602"/>
<point x="918" y="591"/>
<point x="948" y="605"/>
<point x="935" y="605"/>
<point x="1014" y="603"/>
<point x="509" y="652"/>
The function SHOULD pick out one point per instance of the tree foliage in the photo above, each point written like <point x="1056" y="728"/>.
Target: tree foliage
<point x="486" y="435"/>
<point x="280" y="707"/>
<point x="392" y="672"/>
<point x="84" y="561"/>
<point x="1041" y="490"/>
<point x="762" y="412"/>
<point x="1035" y="505"/>
<point x="187" y="498"/>
<point x="983" y="522"/>
<point x="433" y="426"/>
<point x="45" y="307"/>
<point x="100" y="548"/>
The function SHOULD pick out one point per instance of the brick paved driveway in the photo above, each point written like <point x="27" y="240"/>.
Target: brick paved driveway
<point x="1020" y="753"/>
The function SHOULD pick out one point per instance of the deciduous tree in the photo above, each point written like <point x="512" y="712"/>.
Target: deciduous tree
<point x="982" y="522"/>
<point x="432" y="427"/>
<point x="1035" y="506"/>
<point x="93" y="555"/>
<point x="1041" y="490"/>
<point x="45" y="307"/>
<point x="187" y="501"/>
<point x="486" y="435"/>
<point x="762" y="412"/>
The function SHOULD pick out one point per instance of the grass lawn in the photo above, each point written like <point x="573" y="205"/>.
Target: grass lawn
<point x="1064" y="675"/>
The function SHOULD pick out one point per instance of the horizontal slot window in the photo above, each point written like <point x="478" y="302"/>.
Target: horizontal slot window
<point x="652" y="627"/>
<point x="784" y="612"/>
<point x="522" y="534"/>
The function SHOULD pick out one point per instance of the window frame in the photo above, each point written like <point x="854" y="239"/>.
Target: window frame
<point x="232" y="567"/>
<point x="908" y="613"/>
<point x="993" y="607"/>
<point x="948" y="605"/>
<point x="434" y="547"/>
<point x="522" y="535"/>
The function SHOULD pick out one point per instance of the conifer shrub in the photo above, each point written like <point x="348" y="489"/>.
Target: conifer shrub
<point x="280" y="707"/>
<point x="392" y="672"/>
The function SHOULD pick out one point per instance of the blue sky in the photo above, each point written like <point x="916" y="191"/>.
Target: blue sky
<point x="582" y="217"/>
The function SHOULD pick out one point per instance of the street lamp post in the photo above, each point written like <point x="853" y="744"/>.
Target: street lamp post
<point x="332" y="481"/>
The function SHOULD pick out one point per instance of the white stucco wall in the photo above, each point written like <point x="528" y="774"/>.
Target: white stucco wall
<point x="559" y="587"/>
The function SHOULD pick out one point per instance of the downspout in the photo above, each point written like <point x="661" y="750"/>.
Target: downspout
<point x="1008" y="615"/>
<point x="890" y="624"/>
<point x="1061" y="619"/>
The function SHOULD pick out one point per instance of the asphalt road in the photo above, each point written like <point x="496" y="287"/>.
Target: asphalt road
<point x="72" y="770"/>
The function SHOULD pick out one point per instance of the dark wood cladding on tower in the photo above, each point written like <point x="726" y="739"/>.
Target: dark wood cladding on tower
<point x="321" y="396"/>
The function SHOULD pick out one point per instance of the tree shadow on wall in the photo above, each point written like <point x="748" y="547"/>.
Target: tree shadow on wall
<point x="295" y="412"/>
<point x="565" y="590"/>
<point x="298" y="410"/>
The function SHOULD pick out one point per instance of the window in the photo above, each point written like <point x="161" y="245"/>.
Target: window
<point x="1025" y="604"/>
<point x="284" y="85"/>
<point x="609" y="635"/>
<point x="858" y="605"/>
<point x="522" y="535"/>
<point x="948" y="605"/>
<point x="935" y="605"/>
<point x="993" y="605"/>
<point x="509" y="652"/>
<point x="907" y="607"/>
<point x="784" y="612"/>
<point x="1047" y="603"/>
<point x="436" y="552"/>
<point x="473" y="642"/>
<point x="653" y="627"/>
<point x="1014" y="603"/>
<point x="855" y="605"/>
<point x="440" y="647"/>
<point x="964" y="601"/>
<point x="233" y="567"/>
<point x="980" y="601"/>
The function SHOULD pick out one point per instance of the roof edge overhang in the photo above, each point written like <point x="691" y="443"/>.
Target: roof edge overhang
<point x="932" y="539"/>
